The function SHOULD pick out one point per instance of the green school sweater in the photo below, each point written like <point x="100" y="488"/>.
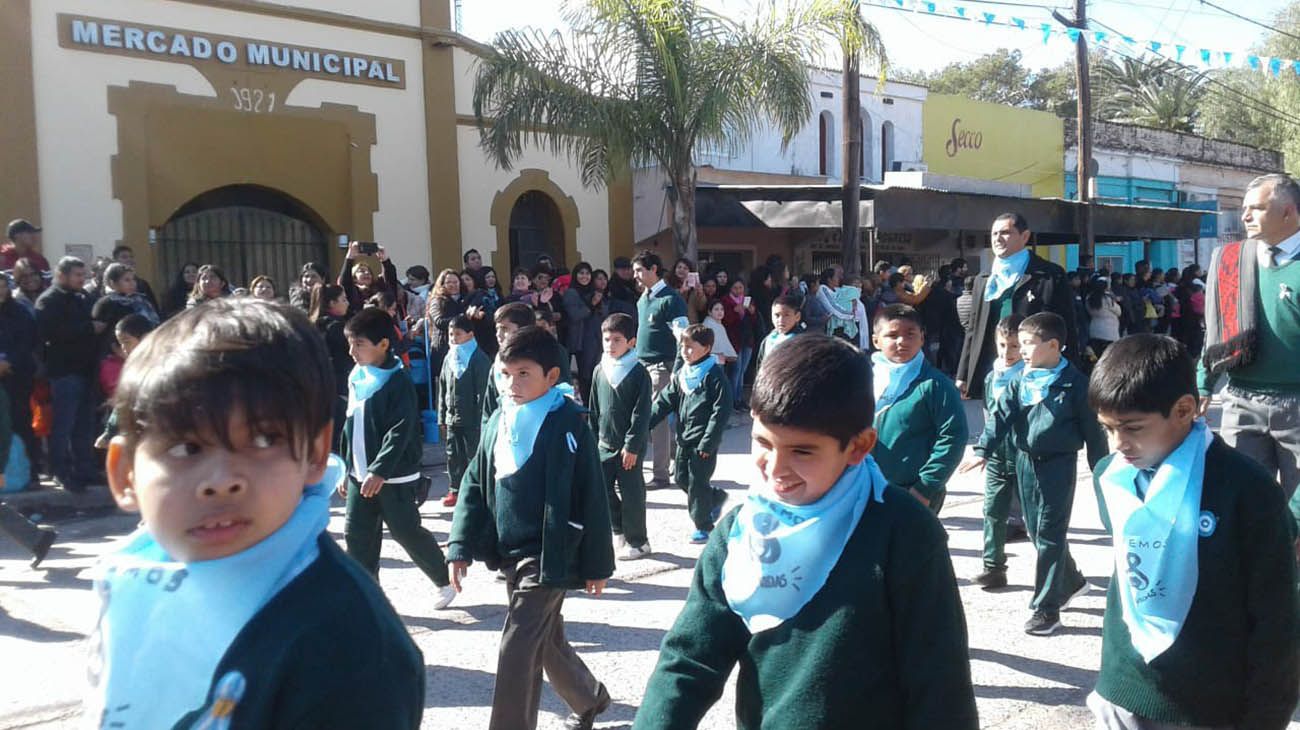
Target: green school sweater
<point x="764" y="344"/>
<point x="701" y="415"/>
<point x="882" y="646"/>
<point x="1005" y="453"/>
<point x="460" y="400"/>
<point x="1236" y="661"/>
<point x="922" y="435"/>
<point x="577" y="541"/>
<point x="394" y="447"/>
<point x="655" y="343"/>
<point x="622" y="414"/>
<point x="1059" y="425"/>
<point x="342" y="662"/>
<point x="1274" y="368"/>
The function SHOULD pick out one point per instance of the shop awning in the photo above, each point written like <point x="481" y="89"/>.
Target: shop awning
<point x="1053" y="220"/>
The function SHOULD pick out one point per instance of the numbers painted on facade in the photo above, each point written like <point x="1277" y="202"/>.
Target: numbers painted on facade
<point x="255" y="101"/>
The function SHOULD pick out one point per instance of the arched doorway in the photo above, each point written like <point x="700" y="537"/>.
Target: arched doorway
<point x="247" y="230"/>
<point x="536" y="229"/>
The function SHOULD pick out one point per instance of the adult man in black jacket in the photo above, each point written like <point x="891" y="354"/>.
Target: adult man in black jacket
<point x="67" y="331"/>
<point x="1020" y="283"/>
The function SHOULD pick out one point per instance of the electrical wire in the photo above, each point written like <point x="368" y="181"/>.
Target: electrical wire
<point x="1252" y="21"/>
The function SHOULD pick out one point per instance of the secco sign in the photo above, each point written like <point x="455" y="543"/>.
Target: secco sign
<point x="182" y="46"/>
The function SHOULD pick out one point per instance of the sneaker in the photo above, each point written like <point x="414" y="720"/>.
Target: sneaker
<point x="635" y="553"/>
<point x="1080" y="592"/>
<point x="992" y="578"/>
<point x="501" y="576"/>
<point x="43" y="543"/>
<point x="654" y="484"/>
<point x="449" y="500"/>
<point x="699" y="537"/>
<point x="446" y="594"/>
<point x="1016" y="531"/>
<point x="1043" y="623"/>
<point x="587" y="720"/>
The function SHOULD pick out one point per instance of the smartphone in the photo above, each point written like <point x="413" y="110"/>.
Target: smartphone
<point x="692" y="280"/>
<point x="370" y="248"/>
<point x="747" y="301"/>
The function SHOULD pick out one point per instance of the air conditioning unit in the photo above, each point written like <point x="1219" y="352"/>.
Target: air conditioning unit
<point x="910" y="167"/>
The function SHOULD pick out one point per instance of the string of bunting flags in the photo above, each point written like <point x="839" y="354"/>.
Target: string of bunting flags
<point x="1180" y="52"/>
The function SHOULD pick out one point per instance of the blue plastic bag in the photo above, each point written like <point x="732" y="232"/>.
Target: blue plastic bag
<point x="18" y="472"/>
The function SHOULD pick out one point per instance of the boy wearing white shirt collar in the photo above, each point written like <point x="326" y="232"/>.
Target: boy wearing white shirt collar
<point x="461" y="388"/>
<point x="1201" y="616"/>
<point x="831" y="591"/>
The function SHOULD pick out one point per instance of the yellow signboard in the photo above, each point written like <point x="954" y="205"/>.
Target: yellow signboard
<point x="984" y="141"/>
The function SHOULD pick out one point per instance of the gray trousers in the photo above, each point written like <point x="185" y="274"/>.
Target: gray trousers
<point x="1113" y="717"/>
<point x="1267" y="429"/>
<point x="662" y="443"/>
<point x="533" y="640"/>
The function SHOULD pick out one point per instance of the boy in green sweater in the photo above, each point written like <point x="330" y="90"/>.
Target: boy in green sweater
<point x="382" y="448"/>
<point x="1201" y="615"/>
<point x="1000" y="471"/>
<point x="1046" y="417"/>
<point x="509" y="319"/>
<point x="920" y="421"/>
<point x="532" y="504"/>
<point x="700" y="397"/>
<point x="461" y="386"/>
<point x="231" y="606"/>
<point x="620" y="408"/>
<point x="787" y="321"/>
<point x="831" y="590"/>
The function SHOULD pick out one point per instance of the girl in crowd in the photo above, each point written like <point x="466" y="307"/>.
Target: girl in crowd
<point x="722" y="349"/>
<point x="312" y="274"/>
<point x="262" y="287"/>
<point x="762" y="290"/>
<point x="741" y="322"/>
<point x="478" y="308"/>
<point x="444" y="304"/>
<point x="690" y="288"/>
<point x="329" y="312"/>
<point x="1104" y="311"/>
<point x="360" y="281"/>
<point x="210" y="284"/>
<point x="179" y="292"/>
<point x="120" y="299"/>
<point x="489" y="290"/>
<point x="583" y="304"/>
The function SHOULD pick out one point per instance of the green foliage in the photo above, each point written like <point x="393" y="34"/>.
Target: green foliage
<point x="1156" y="93"/>
<point x="1001" y="78"/>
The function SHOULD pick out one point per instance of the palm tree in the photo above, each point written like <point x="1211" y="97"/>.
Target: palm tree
<point x="1152" y="93"/>
<point x="857" y="38"/>
<point x="643" y="82"/>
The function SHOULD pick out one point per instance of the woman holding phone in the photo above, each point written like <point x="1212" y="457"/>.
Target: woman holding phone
<point x="741" y="322"/>
<point x="687" y="282"/>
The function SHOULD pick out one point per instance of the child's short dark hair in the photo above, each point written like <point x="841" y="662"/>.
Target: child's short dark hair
<point x="1142" y="373"/>
<point x="383" y="299"/>
<point x="791" y="300"/>
<point x="517" y="313"/>
<point x="461" y="322"/>
<point x="1045" y="326"/>
<point x="897" y="312"/>
<point x="532" y="343"/>
<point x="371" y="323"/>
<point x="135" y="325"/>
<point x="823" y="385"/>
<point x="699" y="334"/>
<point x="620" y="323"/>
<point x="1009" y="325"/>
<point x="191" y="373"/>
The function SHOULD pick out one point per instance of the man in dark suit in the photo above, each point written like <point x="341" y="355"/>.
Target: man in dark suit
<point x="1020" y="283"/>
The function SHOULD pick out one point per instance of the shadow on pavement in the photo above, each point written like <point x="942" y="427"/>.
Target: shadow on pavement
<point x="54" y="578"/>
<point x="1082" y="680"/>
<point x="642" y="592"/>
<point x="28" y="631"/>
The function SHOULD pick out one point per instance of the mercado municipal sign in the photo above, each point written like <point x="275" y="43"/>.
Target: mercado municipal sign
<point x="241" y="54"/>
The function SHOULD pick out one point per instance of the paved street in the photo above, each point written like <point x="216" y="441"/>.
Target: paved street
<point x="1021" y="681"/>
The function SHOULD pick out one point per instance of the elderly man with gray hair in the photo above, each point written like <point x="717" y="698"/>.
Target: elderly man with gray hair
<point x="1252" y="331"/>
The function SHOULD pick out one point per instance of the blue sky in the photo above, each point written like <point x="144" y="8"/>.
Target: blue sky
<point x="917" y="40"/>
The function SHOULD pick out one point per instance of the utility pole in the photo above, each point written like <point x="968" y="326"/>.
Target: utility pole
<point x="1084" y="163"/>
<point x="851" y="157"/>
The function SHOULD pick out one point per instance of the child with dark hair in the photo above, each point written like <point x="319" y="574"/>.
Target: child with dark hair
<point x="508" y="319"/>
<point x="1201" y="615"/>
<point x="130" y="330"/>
<point x="701" y="399"/>
<point x="831" y="590"/>
<point x="547" y="322"/>
<point x="462" y="385"/>
<point x="787" y="321"/>
<point x="224" y="451"/>
<point x="1046" y="417"/>
<point x="1000" y="470"/>
<point x="920" y="421"/>
<point x="620" y="413"/>
<point x="382" y="448"/>
<point x="532" y="504"/>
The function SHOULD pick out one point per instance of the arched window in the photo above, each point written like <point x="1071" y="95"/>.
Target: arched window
<point x="886" y="148"/>
<point x="825" y="143"/>
<point x="865" y="163"/>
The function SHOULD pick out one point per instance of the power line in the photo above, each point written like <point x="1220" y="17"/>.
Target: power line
<point x="1252" y="21"/>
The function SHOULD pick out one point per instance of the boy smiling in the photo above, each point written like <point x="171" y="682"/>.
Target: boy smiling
<point x="832" y="590"/>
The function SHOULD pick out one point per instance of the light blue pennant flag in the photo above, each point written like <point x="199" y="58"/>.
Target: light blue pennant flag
<point x="1180" y="50"/>
<point x="1205" y="56"/>
<point x="988" y="18"/>
<point x="961" y="12"/>
<point x="1018" y="22"/>
<point x="1296" y="66"/>
<point x="1227" y="58"/>
<point x="1154" y="46"/>
<point x="1275" y="66"/>
<point x="1073" y="33"/>
<point x="1099" y="36"/>
<point x="929" y="7"/>
<point x="1253" y="61"/>
<point x="1047" y="34"/>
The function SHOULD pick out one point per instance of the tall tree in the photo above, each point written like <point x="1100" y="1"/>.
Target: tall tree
<point x="1155" y="93"/>
<point x="643" y="82"/>
<point x="1000" y="77"/>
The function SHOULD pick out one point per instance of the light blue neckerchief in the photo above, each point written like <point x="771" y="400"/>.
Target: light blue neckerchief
<point x="520" y="422"/>
<point x="1003" y="376"/>
<point x="151" y="606"/>
<point x="616" y="369"/>
<point x="779" y="555"/>
<point x="692" y="374"/>
<point x="775" y="339"/>
<point x="890" y="379"/>
<point x="1035" y="382"/>
<point x="1005" y="273"/>
<point x="366" y="380"/>
<point x="1155" y="541"/>
<point x="843" y="305"/>
<point x="461" y="355"/>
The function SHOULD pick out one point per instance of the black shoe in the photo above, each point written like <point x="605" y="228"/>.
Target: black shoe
<point x="654" y="484"/>
<point x="1043" y="623"/>
<point x="70" y="484"/>
<point x="587" y="719"/>
<point x="992" y="578"/>
<point x="43" y="543"/>
<point x="1016" y="531"/>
